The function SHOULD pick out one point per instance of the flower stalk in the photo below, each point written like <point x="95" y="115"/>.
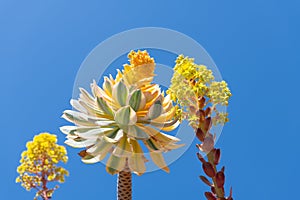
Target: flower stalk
<point x="213" y="154"/>
<point x="197" y="96"/>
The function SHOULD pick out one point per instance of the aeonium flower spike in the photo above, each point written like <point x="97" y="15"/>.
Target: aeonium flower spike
<point x="198" y="95"/>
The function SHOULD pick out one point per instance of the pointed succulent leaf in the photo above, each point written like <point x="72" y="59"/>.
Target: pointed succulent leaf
<point x="76" y="117"/>
<point x="208" y="169"/>
<point x="137" y="100"/>
<point x="200" y="157"/>
<point x="220" y="179"/>
<point x="205" y="180"/>
<point x="217" y="156"/>
<point x="155" y="110"/>
<point x="136" y="161"/>
<point x="115" y="164"/>
<point x="120" y="93"/>
<point x="126" y="116"/>
<point x="159" y="161"/>
<point x="84" y="95"/>
<point x="210" y="196"/>
<point x="103" y="106"/>
<point x="101" y="149"/>
<point x="123" y="148"/>
<point x="137" y="133"/>
<point x="76" y="105"/>
<point x="152" y="145"/>
<point x="171" y="146"/>
<point x="88" y="158"/>
<point x="95" y="132"/>
<point x="79" y="143"/>
<point x="107" y="86"/>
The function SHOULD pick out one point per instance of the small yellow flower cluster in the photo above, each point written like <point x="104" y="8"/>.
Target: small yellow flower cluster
<point x="139" y="58"/>
<point x="219" y="93"/>
<point x="220" y="118"/>
<point x="190" y="82"/>
<point x="186" y="67"/>
<point x="38" y="162"/>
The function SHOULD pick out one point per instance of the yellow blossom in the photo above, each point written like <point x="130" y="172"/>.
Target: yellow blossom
<point x="191" y="82"/>
<point x="38" y="164"/>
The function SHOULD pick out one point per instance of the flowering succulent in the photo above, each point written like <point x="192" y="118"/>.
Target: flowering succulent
<point x="190" y="83"/>
<point x="118" y="118"/>
<point x="39" y="165"/>
<point x="197" y="95"/>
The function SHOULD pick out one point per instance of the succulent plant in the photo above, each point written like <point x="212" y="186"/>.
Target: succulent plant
<point x="127" y="113"/>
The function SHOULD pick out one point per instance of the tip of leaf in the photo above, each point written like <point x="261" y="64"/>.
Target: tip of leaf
<point x="111" y="171"/>
<point x="166" y="169"/>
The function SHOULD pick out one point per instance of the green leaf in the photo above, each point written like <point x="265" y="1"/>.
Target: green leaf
<point x="107" y="85"/>
<point x="137" y="133"/>
<point x="136" y="161"/>
<point x="115" y="164"/>
<point x="135" y="100"/>
<point x="104" y="107"/>
<point x="120" y="93"/>
<point x="155" y="110"/>
<point x="126" y="116"/>
<point x="79" y="142"/>
<point x="101" y="148"/>
<point x="123" y="148"/>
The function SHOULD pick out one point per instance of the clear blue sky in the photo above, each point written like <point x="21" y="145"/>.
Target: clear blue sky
<point x="254" y="43"/>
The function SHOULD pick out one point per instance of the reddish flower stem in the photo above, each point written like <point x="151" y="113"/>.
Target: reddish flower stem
<point x="213" y="155"/>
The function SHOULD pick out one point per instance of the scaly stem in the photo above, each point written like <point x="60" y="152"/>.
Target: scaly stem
<point x="213" y="155"/>
<point x="219" y="191"/>
<point x="125" y="184"/>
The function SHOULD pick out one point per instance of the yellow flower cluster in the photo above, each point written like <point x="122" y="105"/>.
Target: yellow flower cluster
<point x="190" y="82"/>
<point x="139" y="58"/>
<point x="220" y="118"/>
<point x="219" y="93"/>
<point x="186" y="67"/>
<point x="38" y="162"/>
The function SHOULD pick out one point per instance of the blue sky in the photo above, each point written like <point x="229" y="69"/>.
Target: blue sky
<point x="254" y="43"/>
